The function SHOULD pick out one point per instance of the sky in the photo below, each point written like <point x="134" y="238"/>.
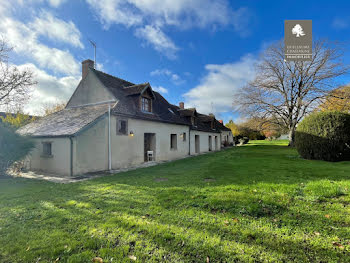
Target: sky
<point x="200" y="52"/>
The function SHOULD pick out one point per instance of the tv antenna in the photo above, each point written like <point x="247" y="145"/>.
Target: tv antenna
<point x="94" y="45"/>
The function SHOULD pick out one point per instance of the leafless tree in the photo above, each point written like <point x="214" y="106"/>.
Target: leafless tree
<point x="284" y="92"/>
<point x="14" y="83"/>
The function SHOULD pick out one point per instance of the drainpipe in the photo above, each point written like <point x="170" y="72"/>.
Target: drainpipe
<point x="71" y="155"/>
<point x="109" y="139"/>
<point x="189" y="140"/>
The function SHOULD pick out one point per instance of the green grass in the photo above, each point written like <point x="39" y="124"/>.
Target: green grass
<point x="257" y="203"/>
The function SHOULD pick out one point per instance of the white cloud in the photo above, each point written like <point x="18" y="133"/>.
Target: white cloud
<point x="53" y="3"/>
<point x="49" y="90"/>
<point x="25" y="41"/>
<point x="175" y="78"/>
<point x="56" y="29"/>
<point x="161" y="42"/>
<point x="216" y="90"/>
<point x="180" y="12"/>
<point x="160" y="89"/>
<point x="56" y="3"/>
<point x="115" y="12"/>
<point x="150" y="17"/>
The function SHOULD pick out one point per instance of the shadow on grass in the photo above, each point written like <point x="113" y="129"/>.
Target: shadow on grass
<point x="112" y="220"/>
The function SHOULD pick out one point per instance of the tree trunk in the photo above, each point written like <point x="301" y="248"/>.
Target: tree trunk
<point x="291" y="136"/>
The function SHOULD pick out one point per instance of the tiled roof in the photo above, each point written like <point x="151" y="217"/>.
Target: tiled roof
<point x="205" y="118"/>
<point x="187" y="112"/>
<point x="135" y="89"/>
<point x="126" y="105"/>
<point x="221" y="126"/>
<point x="65" y="122"/>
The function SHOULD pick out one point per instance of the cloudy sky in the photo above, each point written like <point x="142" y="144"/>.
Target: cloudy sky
<point x="200" y="51"/>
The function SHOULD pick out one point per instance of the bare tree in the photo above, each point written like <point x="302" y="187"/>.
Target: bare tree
<point x="14" y="83"/>
<point x="284" y="92"/>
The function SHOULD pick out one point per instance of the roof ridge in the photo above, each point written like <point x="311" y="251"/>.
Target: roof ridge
<point x="113" y="76"/>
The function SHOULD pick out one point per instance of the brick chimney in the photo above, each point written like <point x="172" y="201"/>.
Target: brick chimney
<point x="182" y="105"/>
<point x="221" y="121"/>
<point x="86" y="64"/>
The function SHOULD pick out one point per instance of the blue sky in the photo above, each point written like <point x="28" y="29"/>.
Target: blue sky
<point x="200" y="52"/>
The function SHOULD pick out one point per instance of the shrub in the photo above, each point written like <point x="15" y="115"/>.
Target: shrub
<point x="324" y="136"/>
<point x="225" y="144"/>
<point x="13" y="147"/>
<point x="237" y="138"/>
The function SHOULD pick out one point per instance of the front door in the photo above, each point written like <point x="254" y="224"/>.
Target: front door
<point x="149" y="145"/>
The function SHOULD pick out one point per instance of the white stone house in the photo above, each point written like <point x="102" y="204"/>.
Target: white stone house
<point x="110" y="123"/>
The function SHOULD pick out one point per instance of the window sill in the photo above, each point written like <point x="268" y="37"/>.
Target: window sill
<point x="46" y="156"/>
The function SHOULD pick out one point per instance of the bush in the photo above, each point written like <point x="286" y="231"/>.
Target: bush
<point x="13" y="147"/>
<point x="324" y="136"/>
<point x="225" y="144"/>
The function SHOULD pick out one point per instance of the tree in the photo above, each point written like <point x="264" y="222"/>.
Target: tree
<point x="13" y="147"/>
<point x="52" y="108"/>
<point x="234" y="128"/>
<point x="14" y="83"/>
<point x="17" y="120"/>
<point x="337" y="100"/>
<point x="283" y="92"/>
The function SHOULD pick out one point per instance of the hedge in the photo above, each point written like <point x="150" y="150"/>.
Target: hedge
<point x="324" y="136"/>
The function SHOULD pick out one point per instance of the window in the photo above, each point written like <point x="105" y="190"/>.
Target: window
<point x="47" y="149"/>
<point x="122" y="127"/>
<point x="173" y="141"/>
<point x="184" y="136"/>
<point x="145" y="104"/>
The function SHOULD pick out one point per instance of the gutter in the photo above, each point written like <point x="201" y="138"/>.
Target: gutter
<point x="71" y="155"/>
<point x="109" y="139"/>
<point x="189" y="140"/>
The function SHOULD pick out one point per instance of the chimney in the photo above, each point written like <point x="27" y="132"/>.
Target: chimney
<point x="86" y="64"/>
<point x="211" y="115"/>
<point x="221" y="121"/>
<point x="182" y="105"/>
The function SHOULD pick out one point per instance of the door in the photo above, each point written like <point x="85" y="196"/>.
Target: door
<point x="216" y="143"/>
<point x="196" y="141"/>
<point x="209" y="143"/>
<point x="149" y="145"/>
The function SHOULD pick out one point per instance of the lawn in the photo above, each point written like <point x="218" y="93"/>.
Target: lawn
<point x="256" y="203"/>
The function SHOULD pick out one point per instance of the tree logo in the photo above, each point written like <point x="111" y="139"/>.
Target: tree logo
<point x="298" y="31"/>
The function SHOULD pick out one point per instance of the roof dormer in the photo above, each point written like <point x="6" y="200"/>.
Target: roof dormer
<point x="143" y="94"/>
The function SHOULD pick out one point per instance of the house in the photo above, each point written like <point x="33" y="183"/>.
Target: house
<point x="110" y="123"/>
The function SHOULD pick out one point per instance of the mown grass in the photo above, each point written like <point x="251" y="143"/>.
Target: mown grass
<point x="257" y="203"/>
